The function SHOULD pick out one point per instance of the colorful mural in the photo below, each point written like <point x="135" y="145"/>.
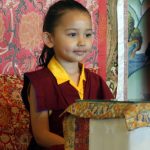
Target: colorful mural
<point x="138" y="49"/>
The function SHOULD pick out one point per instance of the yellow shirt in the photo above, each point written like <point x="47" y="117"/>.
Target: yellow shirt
<point x="62" y="76"/>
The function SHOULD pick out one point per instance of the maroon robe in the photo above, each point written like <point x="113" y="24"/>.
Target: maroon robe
<point x="51" y="96"/>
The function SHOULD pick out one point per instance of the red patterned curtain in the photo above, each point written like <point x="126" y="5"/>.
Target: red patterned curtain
<point x="20" y="34"/>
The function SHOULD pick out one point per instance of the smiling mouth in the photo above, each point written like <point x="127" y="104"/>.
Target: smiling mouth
<point x="79" y="52"/>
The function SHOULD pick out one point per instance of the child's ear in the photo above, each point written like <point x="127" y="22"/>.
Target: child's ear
<point x="48" y="39"/>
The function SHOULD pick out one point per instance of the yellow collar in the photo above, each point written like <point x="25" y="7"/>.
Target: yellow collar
<point x="59" y="72"/>
<point x="62" y="76"/>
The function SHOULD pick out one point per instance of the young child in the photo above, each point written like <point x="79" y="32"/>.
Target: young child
<point x="67" y="35"/>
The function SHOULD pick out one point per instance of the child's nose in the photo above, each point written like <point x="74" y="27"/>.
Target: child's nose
<point x="81" y="41"/>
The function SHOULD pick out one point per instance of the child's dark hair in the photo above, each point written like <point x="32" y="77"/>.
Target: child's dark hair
<point x="55" y="12"/>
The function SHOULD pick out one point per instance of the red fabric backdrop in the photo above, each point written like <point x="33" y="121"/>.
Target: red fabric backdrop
<point x="20" y="34"/>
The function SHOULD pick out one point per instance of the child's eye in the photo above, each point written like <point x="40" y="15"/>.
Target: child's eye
<point x="88" y="35"/>
<point x="72" y="34"/>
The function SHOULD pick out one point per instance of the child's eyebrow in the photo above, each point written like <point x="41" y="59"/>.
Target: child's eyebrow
<point x="77" y="29"/>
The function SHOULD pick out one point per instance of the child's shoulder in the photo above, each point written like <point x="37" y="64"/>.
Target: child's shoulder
<point x="40" y="77"/>
<point x="92" y="76"/>
<point x="43" y="72"/>
<point x="37" y="72"/>
<point x="91" y="73"/>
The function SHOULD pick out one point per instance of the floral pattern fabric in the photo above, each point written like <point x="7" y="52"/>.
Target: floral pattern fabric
<point x="76" y="133"/>
<point x="137" y="114"/>
<point x="14" y="118"/>
<point x="97" y="110"/>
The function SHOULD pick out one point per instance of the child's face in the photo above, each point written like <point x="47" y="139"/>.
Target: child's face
<point x="72" y="38"/>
